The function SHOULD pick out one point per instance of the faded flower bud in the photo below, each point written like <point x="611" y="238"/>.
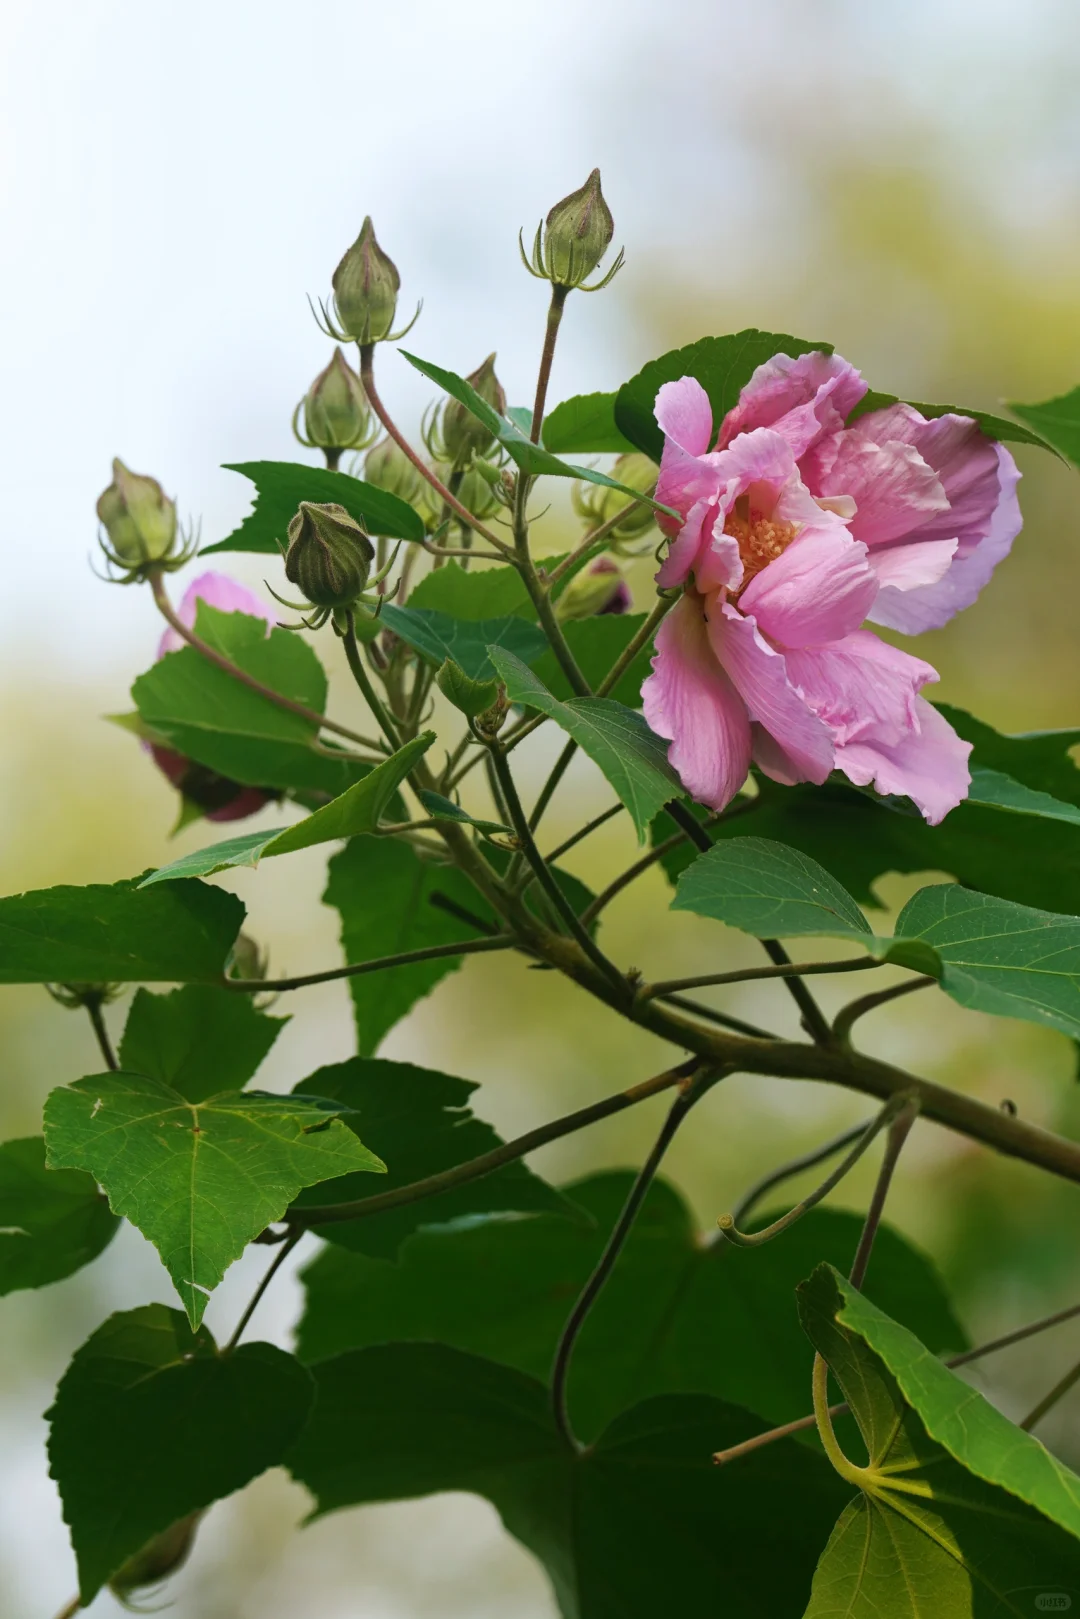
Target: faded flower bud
<point x="388" y="467"/>
<point x="329" y="555"/>
<point x="600" y="588"/>
<point x="140" y="522"/>
<point x="599" y="504"/>
<point x="335" y="410"/>
<point x="463" y="434"/>
<point x="366" y="285"/>
<point x="574" y="238"/>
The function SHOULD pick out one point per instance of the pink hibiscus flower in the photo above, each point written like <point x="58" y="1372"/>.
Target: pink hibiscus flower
<point x="795" y="530"/>
<point x="219" y="798"/>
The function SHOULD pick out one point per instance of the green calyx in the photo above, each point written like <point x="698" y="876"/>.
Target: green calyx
<point x="366" y="285"/>
<point x="462" y="434"/>
<point x="334" y="410"/>
<point x="573" y="239"/>
<point x="140" y="524"/>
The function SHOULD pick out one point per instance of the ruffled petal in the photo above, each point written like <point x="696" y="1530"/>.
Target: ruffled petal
<point x="906" y="567"/>
<point x="929" y="607"/>
<point x="861" y="687"/>
<point x="801" y="399"/>
<point x="895" y="491"/>
<point x="801" y="747"/>
<point x="930" y="765"/>
<point x="689" y="700"/>
<point x="819" y="589"/>
<point x="217" y="590"/>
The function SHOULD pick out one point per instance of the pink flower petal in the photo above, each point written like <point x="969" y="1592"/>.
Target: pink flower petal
<point x="860" y="687"/>
<point x="932" y="605"/>
<point x="690" y="540"/>
<point x="684" y="415"/>
<point x="801" y="399"/>
<point x="819" y="589"/>
<point x="219" y="591"/>
<point x="894" y="489"/>
<point x="906" y="567"/>
<point x="803" y="748"/>
<point x="930" y="766"/>
<point x="689" y="700"/>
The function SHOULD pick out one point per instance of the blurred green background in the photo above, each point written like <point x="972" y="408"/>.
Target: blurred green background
<point x="905" y="189"/>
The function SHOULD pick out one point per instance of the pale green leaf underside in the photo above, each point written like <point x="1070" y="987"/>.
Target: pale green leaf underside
<point x="633" y="758"/>
<point x="357" y="810"/>
<point x="200" y="1180"/>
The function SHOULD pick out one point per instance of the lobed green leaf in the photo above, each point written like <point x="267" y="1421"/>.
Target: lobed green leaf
<point x="200" y="1040"/>
<point x="280" y="486"/>
<point x="585" y="425"/>
<point x="52" y="1222"/>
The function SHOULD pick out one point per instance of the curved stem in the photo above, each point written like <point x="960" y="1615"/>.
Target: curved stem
<point x="97" y="1018"/>
<point x="275" y="1265"/>
<point x="849" y="1015"/>
<point x="823" y="1414"/>
<point x="547" y="792"/>
<point x="744" y="975"/>
<point x="594" y="538"/>
<point x="693" y="1090"/>
<point x="724" y="1019"/>
<point x="430" y="952"/>
<point x="584" y="831"/>
<point x="814" y="1020"/>
<point x="70" y="1609"/>
<point x="509" y="1152"/>
<point x="165" y="608"/>
<point x="367" y="375"/>
<point x="795" y="1166"/>
<point x="367" y="688"/>
<point x="754" y="1239"/>
<point x="899" y="1129"/>
<point x="1048" y="1401"/>
<point x="631" y="874"/>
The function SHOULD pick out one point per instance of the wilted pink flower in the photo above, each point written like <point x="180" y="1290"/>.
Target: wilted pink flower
<point x="795" y="529"/>
<point x="219" y="798"/>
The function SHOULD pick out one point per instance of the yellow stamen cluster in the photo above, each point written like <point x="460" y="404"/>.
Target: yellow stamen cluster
<point x="760" y="539"/>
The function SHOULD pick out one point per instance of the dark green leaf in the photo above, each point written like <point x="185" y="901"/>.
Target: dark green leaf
<point x="481" y="593"/>
<point x="771" y="891"/>
<point x="596" y="643"/>
<point x="997" y="427"/>
<point x="209" y="716"/>
<point x="584" y="425"/>
<point x="383" y="888"/>
<point x="723" y="366"/>
<point x="1000" y="791"/>
<point x="200" y="1040"/>
<point x="280" y="486"/>
<point x="151" y="1423"/>
<point x="358" y="810"/>
<point x="1056" y="422"/>
<point x="640" y="1525"/>
<point x="997" y="957"/>
<point x="200" y="1180"/>
<point x="443" y="809"/>
<point x="1040" y="760"/>
<point x="680" y="1315"/>
<point x="632" y="757"/>
<point x="419" y="1122"/>
<point x="960" y="1514"/>
<point x="531" y="458"/>
<point x="437" y="636"/>
<point x="118" y="932"/>
<point x="52" y="1222"/>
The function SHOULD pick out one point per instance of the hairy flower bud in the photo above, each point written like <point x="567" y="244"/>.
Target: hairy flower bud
<point x="329" y="555"/>
<point x="335" y="410"/>
<point x="388" y="467"/>
<point x="574" y="238"/>
<point x="366" y="285"/>
<point x="464" y="434"/>
<point x="600" y="588"/>
<point x="140" y="522"/>
<point x="598" y="504"/>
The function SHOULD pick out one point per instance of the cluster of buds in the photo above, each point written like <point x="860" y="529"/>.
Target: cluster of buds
<point x="598" y="504"/>
<point x="329" y="559"/>
<point x="140" y="524"/>
<point x="335" y="412"/>
<point x="460" y="441"/>
<point x="76" y="996"/>
<point x="366" y="285"/>
<point x="573" y="239"/>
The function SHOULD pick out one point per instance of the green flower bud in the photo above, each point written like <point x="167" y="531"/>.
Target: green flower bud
<point x="140" y="522"/>
<point x="246" y="959"/>
<point x="574" y="238"/>
<point x="598" y="504"/>
<point x="388" y="467"/>
<point x="470" y="697"/>
<point x="158" y="1559"/>
<point x="476" y="493"/>
<point x="464" y="434"/>
<point x="329" y="555"/>
<point x="600" y="588"/>
<point x="366" y="285"/>
<point x="335" y="410"/>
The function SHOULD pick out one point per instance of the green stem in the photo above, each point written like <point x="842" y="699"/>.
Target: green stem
<point x="711" y="1015"/>
<point x="547" y="792"/>
<point x="744" y="975"/>
<point x="849" y="1015"/>
<point x="814" y="1020"/>
<point x="275" y="1265"/>
<point x="97" y="1019"/>
<point x="584" y="832"/>
<point x="546" y="879"/>
<point x="430" y="952"/>
<point x="486" y="1164"/>
<point x="899" y="1129"/>
<point x="559" y="296"/>
<point x="823" y="1418"/>
<point x="593" y="540"/>
<point x="795" y="1166"/>
<point x="631" y="874"/>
